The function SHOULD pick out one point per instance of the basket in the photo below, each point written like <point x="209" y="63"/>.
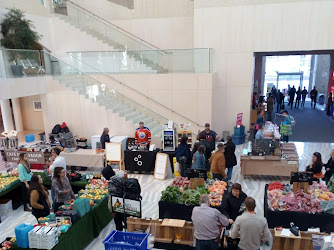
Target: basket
<point x="134" y="241"/>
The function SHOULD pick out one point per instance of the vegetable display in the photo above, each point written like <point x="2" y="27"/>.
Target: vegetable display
<point x="299" y="201"/>
<point x="216" y="189"/>
<point x="181" y="182"/>
<point x="276" y="185"/>
<point x="6" y="182"/>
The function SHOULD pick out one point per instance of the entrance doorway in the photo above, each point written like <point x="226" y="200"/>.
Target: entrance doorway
<point x="305" y="70"/>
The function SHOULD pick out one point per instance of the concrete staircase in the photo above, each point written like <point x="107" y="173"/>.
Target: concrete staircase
<point x="121" y="105"/>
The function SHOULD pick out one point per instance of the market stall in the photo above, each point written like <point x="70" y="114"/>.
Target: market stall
<point x="303" y="209"/>
<point x="84" y="158"/>
<point x="270" y="158"/>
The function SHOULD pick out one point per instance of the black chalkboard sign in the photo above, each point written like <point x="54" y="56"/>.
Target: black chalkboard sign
<point x="301" y="177"/>
<point x="194" y="173"/>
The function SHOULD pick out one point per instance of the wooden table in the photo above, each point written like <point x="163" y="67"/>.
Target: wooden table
<point x="268" y="165"/>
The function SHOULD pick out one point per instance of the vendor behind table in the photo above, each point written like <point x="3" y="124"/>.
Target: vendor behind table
<point x="143" y="136"/>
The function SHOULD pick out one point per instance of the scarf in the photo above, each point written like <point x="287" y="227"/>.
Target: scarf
<point x="26" y="165"/>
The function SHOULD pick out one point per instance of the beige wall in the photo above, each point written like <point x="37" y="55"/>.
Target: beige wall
<point x="32" y="120"/>
<point x="235" y="30"/>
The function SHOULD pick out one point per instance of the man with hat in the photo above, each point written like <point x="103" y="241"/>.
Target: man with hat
<point x="143" y="135"/>
<point x="217" y="162"/>
<point x="210" y="136"/>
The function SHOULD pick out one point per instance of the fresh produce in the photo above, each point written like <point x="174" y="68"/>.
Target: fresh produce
<point x="320" y="191"/>
<point x="276" y="185"/>
<point x="330" y="184"/>
<point x="171" y="194"/>
<point x="216" y="192"/>
<point x="6" y="181"/>
<point x="181" y="182"/>
<point x="188" y="196"/>
<point x="6" y="245"/>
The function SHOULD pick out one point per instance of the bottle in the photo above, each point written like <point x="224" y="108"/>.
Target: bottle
<point x="129" y="146"/>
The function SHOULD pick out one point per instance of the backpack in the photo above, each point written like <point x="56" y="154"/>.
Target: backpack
<point x="116" y="186"/>
<point x="65" y="130"/>
<point x="56" y="129"/>
<point x="132" y="189"/>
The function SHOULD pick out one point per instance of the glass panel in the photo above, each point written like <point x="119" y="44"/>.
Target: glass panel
<point x="146" y="61"/>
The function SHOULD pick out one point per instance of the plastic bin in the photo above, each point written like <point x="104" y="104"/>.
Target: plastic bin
<point x="239" y="131"/>
<point x="21" y="232"/>
<point x="238" y="139"/>
<point x="30" y="138"/>
<point x="134" y="241"/>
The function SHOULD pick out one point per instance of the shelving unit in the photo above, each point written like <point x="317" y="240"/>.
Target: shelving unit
<point x="188" y="133"/>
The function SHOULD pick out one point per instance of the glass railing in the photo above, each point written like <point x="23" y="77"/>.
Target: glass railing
<point x="146" y="61"/>
<point x="20" y="63"/>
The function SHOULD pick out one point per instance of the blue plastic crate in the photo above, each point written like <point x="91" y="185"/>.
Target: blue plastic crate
<point x="29" y="138"/>
<point x="118" y="240"/>
<point x="237" y="140"/>
<point x="239" y="131"/>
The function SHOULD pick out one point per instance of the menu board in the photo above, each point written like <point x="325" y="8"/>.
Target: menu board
<point x="161" y="166"/>
<point x="301" y="177"/>
<point x="114" y="152"/>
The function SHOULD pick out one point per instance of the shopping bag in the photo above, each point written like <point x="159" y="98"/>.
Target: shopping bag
<point x="327" y="206"/>
<point x="323" y="242"/>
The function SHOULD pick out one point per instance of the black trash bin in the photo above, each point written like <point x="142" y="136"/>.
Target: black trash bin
<point x="321" y="100"/>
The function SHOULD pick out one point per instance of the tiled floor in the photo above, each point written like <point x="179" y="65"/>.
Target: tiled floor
<point x="151" y="190"/>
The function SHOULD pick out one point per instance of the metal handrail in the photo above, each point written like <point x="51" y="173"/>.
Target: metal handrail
<point x="126" y="85"/>
<point x="114" y="26"/>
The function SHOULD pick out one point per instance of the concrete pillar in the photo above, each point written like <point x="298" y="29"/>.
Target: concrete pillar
<point x="7" y="115"/>
<point x="17" y="114"/>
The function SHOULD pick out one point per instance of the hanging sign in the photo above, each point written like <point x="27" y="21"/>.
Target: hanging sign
<point x="239" y="119"/>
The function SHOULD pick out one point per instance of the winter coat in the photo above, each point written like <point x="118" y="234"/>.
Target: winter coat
<point x="230" y="158"/>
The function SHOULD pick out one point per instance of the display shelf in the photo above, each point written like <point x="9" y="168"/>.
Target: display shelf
<point x="187" y="133"/>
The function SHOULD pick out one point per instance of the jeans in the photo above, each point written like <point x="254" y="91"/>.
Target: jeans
<point x="53" y="195"/>
<point x="313" y="100"/>
<point x="229" y="173"/>
<point x="207" y="245"/>
<point x="303" y="101"/>
<point x="184" y="166"/>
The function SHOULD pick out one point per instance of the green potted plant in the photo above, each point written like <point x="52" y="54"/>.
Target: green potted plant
<point x="18" y="34"/>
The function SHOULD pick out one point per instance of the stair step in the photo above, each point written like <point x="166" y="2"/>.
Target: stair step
<point x="138" y="119"/>
<point x="132" y="115"/>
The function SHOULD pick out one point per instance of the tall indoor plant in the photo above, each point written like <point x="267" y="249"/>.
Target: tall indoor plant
<point x="18" y="33"/>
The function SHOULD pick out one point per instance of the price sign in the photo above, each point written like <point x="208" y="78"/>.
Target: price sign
<point x="301" y="177"/>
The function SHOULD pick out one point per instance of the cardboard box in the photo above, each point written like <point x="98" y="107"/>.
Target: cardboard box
<point x="6" y="204"/>
<point x="33" y="238"/>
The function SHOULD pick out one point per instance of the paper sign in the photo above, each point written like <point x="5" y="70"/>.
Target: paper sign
<point x="160" y="166"/>
<point x="239" y="119"/>
<point x="35" y="157"/>
<point x="113" y="152"/>
<point x="286" y="232"/>
<point x="130" y="207"/>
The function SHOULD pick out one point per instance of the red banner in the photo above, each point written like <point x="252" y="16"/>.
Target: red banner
<point x="239" y="119"/>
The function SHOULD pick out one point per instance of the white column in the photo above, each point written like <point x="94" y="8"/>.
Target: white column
<point x="7" y="115"/>
<point x="17" y="114"/>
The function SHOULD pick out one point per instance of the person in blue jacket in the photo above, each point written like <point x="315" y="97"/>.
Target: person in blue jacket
<point x="183" y="155"/>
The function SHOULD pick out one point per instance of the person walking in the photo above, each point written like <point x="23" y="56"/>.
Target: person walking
<point x="299" y="96"/>
<point x="25" y="176"/>
<point x="304" y="94"/>
<point x="39" y="197"/>
<point x="270" y="108"/>
<point x="230" y="158"/>
<point x="217" y="163"/>
<point x="286" y="128"/>
<point x="251" y="228"/>
<point x="279" y="99"/>
<point x="330" y="104"/>
<point x="206" y="219"/>
<point x="199" y="158"/>
<point x="313" y="94"/>
<point x="183" y="155"/>
<point x="62" y="188"/>
<point x="292" y="94"/>
<point x="274" y="92"/>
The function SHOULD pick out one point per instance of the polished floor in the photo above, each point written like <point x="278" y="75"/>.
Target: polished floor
<point x="151" y="190"/>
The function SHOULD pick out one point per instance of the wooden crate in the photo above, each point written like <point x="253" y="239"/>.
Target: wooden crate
<point x="187" y="234"/>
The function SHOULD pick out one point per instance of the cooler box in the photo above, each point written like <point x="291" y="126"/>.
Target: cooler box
<point x="29" y="138"/>
<point x="21" y="232"/>
<point x="239" y="131"/>
<point x="237" y="140"/>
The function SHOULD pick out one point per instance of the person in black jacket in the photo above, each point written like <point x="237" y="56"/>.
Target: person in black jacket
<point x="230" y="158"/>
<point x="316" y="167"/>
<point x="183" y="155"/>
<point x="233" y="203"/>
<point x="292" y="94"/>
<point x="329" y="166"/>
<point x="104" y="138"/>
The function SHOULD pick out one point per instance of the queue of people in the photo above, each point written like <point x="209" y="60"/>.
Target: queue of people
<point x="204" y="155"/>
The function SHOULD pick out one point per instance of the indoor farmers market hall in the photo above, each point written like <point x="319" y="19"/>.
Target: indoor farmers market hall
<point x="166" y="124"/>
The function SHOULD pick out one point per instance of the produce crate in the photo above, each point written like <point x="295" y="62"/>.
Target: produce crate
<point x="133" y="241"/>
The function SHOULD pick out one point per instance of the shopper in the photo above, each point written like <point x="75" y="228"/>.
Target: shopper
<point x="198" y="161"/>
<point x="286" y="128"/>
<point x="183" y="155"/>
<point x="62" y="187"/>
<point x="270" y="108"/>
<point x="56" y="161"/>
<point x="299" y="96"/>
<point x="205" y="219"/>
<point x="233" y="204"/>
<point x="330" y="104"/>
<point x="274" y="92"/>
<point x="304" y="94"/>
<point x="279" y="99"/>
<point x="104" y="138"/>
<point x="329" y="166"/>
<point x="230" y="158"/>
<point x="292" y="94"/>
<point x="259" y="134"/>
<point x="314" y="94"/>
<point x="25" y="177"/>
<point x="210" y="136"/>
<point x="316" y="167"/>
<point x="260" y="119"/>
<point x="217" y="163"/>
<point x="251" y="228"/>
<point x="39" y="197"/>
<point x="54" y="141"/>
